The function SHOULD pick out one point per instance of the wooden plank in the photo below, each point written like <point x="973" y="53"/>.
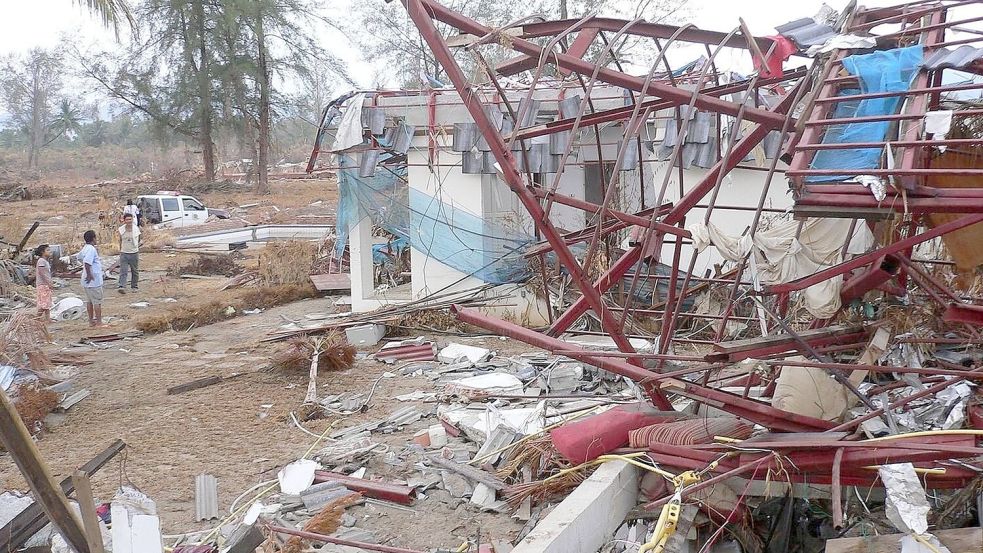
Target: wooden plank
<point x="194" y="385"/>
<point x="963" y="540"/>
<point x="25" y="454"/>
<point x="469" y="472"/>
<point x="332" y="282"/>
<point x="87" y="505"/>
<point x="31" y="520"/>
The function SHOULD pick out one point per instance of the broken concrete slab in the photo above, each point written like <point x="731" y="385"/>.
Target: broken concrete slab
<point x="456" y="353"/>
<point x="589" y="516"/>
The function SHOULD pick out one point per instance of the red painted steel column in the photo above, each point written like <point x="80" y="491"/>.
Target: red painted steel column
<point x="418" y="13"/>
<point x="678" y="212"/>
<point x="862" y="260"/>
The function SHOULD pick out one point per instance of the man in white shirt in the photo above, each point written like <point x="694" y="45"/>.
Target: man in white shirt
<point x="91" y="278"/>
<point x="129" y="248"/>
<point x="132" y="209"/>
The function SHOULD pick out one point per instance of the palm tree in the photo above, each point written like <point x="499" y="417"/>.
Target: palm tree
<point x="67" y="122"/>
<point x="112" y="12"/>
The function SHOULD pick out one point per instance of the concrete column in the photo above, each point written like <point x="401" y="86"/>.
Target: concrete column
<point x="360" y="250"/>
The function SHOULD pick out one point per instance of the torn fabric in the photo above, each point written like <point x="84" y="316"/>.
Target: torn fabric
<point x="937" y="125"/>
<point x="876" y="185"/>
<point x="842" y="42"/>
<point x="350" y="127"/>
<point x="782" y="257"/>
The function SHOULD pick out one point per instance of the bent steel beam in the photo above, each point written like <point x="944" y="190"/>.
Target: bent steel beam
<point x="679" y="210"/>
<point x="420" y="13"/>
<point x="644" y="377"/>
<point x="434" y="10"/>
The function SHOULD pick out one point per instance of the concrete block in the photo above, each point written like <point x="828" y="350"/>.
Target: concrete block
<point x="365" y="335"/>
<point x="588" y="517"/>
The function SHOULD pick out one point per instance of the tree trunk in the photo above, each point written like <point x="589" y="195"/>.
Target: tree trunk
<point x="564" y="9"/>
<point x="263" y="140"/>
<point x="205" y="93"/>
<point x="39" y="102"/>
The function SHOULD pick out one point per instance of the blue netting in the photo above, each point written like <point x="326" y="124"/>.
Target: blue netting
<point x="461" y="240"/>
<point x="884" y="71"/>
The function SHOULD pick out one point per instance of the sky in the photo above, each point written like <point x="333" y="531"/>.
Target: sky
<point x="41" y="22"/>
<point x="34" y="23"/>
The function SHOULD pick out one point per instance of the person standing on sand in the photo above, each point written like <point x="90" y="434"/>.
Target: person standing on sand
<point x="129" y="253"/>
<point x="42" y="281"/>
<point x="91" y="278"/>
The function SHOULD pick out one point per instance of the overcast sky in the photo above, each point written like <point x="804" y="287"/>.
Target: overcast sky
<point x="41" y="22"/>
<point x="26" y="24"/>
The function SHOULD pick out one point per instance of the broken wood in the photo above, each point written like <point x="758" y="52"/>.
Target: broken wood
<point x="87" y="506"/>
<point x="19" y="444"/>
<point x="194" y="385"/>
<point x="469" y="472"/>
<point x="958" y="539"/>
<point x="311" y="397"/>
<point x="31" y="520"/>
<point x="332" y="282"/>
<point x="23" y="241"/>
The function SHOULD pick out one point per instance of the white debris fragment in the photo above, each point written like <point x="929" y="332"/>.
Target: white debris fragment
<point x="297" y="476"/>
<point x="455" y="353"/>
<point x="906" y="506"/>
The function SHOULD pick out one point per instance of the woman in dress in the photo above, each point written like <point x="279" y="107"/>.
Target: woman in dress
<point x="42" y="282"/>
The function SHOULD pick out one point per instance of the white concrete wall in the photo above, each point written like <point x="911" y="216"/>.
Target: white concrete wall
<point x="741" y="188"/>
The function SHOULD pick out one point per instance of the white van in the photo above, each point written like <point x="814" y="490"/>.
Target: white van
<point x="175" y="210"/>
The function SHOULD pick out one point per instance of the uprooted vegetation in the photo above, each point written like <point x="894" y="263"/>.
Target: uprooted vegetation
<point x="229" y="304"/>
<point x="334" y="353"/>
<point x="206" y="265"/>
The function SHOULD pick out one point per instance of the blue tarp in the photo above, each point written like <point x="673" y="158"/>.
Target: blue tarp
<point x="883" y="71"/>
<point x="461" y="240"/>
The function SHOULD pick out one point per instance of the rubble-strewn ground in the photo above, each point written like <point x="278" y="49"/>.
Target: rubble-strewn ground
<point x="227" y="429"/>
<point x="239" y="430"/>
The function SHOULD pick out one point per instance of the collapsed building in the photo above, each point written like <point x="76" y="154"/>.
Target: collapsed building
<point x="792" y="252"/>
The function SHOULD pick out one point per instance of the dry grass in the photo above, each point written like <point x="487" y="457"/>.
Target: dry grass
<point x="206" y="265"/>
<point x="288" y="262"/>
<point x="336" y="353"/>
<point x="21" y="338"/>
<point x="155" y="239"/>
<point x="191" y="315"/>
<point x="434" y="320"/>
<point x="33" y="404"/>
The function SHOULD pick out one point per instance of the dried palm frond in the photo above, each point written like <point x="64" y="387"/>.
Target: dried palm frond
<point x="537" y="454"/>
<point x="207" y="265"/>
<point x="21" y="338"/>
<point x="542" y="490"/>
<point x="336" y="353"/>
<point x="33" y="404"/>
<point x="324" y="523"/>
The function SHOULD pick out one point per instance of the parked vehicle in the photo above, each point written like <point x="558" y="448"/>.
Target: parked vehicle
<point x="175" y="210"/>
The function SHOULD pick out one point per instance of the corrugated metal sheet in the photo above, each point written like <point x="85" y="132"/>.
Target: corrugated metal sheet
<point x="951" y="58"/>
<point x="806" y="32"/>
<point x="206" y="497"/>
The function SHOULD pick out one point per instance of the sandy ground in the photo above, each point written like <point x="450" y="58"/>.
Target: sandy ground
<point x="239" y="430"/>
